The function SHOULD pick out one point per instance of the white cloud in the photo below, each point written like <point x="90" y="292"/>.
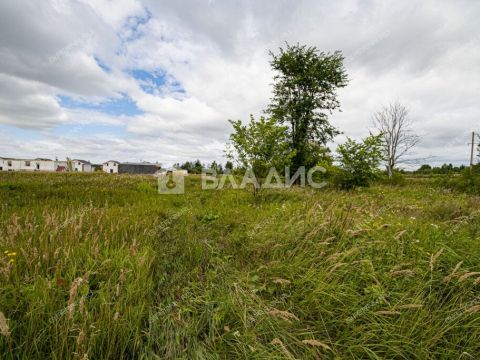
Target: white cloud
<point x="422" y="54"/>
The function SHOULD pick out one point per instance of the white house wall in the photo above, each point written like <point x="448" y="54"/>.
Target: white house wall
<point x="34" y="165"/>
<point x="79" y="166"/>
<point x="110" y="167"/>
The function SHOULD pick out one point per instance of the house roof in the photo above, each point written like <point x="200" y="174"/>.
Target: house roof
<point x="115" y="161"/>
<point x="82" y="161"/>
<point x="144" y="163"/>
<point x="17" y="159"/>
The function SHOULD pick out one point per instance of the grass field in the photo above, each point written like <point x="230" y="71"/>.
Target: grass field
<point x="102" y="267"/>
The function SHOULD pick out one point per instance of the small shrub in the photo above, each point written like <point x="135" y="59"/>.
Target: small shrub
<point x="468" y="181"/>
<point x="397" y="179"/>
<point x="359" y="162"/>
<point x="145" y="188"/>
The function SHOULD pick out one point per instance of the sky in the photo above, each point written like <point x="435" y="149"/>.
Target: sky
<point x="141" y="80"/>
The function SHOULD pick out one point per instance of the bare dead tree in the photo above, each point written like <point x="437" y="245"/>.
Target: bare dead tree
<point x="393" y="122"/>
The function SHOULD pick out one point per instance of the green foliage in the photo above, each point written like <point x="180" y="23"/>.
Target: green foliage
<point x="146" y="188"/>
<point x="439" y="170"/>
<point x="397" y="179"/>
<point x="259" y="146"/>
<point x="359" y="162"/>
<point x="304" y="93"/>
<point x="193" y="167"/>
<point x="229" y="166"/>
<point x="206" y="275"/>
<point x="468" y="181"/>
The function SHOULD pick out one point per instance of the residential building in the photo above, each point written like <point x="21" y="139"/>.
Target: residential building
<point x="38" y="164"/>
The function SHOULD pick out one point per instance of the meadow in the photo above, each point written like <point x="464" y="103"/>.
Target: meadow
<point x="97" y="266"/>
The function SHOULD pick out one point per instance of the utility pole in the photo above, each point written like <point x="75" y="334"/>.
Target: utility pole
<point x="472" y="149"/>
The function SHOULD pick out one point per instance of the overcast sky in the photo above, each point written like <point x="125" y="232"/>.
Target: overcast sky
<point x="158" y="80"/>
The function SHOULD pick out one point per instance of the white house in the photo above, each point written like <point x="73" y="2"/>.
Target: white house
<point x="110" y="166"/>
<point x="38" y="164"/>
<point x="81" y="166"/>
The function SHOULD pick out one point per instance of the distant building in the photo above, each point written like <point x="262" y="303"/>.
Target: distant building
<point x="82" y="166"/>
<point x="38" y="164"/>
<point x="115" y="167"/>
<point x="110" y="166"/>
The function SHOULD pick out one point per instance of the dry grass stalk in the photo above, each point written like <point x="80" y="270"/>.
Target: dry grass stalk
<point x="399" y="234"/>
<point x="4" y="329"/>
<point x="80" y="338"/>
<point x="281" y="281"/>
<point x="355" y="233"/>
<point x="447" y="279"/>
<point x="434" y="258"/>
<point x="406" y="272"/>
<point x="317" y="344"/>
<point x="474" y="309"/>
<point x="399" y="266"/>
<point x="285" y="315"/>
<point x="82" y="305"/>
<point x="71" y="310"/>
<point x="279" y="342"/>
<point x="467" y="275"/>
<point x="123" y="275"/>
<point x="74" y="289"/>
<point x="335" y="267"/>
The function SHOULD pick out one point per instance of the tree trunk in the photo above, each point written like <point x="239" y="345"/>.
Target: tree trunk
<point x="389" y="170"/>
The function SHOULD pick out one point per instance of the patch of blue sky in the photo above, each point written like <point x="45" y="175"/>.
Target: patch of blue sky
<point x="115" y="106"/>
<point x="15" y="132"/>
<point x="102" y="65"/>
<point x="133" y="27"/>
<point x="157" y="82"/>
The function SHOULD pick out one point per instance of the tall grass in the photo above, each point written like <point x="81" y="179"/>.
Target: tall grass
<point x="100" y="266"/>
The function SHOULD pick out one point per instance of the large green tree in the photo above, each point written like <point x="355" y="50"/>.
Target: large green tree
<point x="304" y="94"/>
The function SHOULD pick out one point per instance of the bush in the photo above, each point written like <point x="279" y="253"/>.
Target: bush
<point x="359" y="162"/>
<point x="146" y="188"/>
<point x="468" y="181"/>
<point x="397" y="179"/>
